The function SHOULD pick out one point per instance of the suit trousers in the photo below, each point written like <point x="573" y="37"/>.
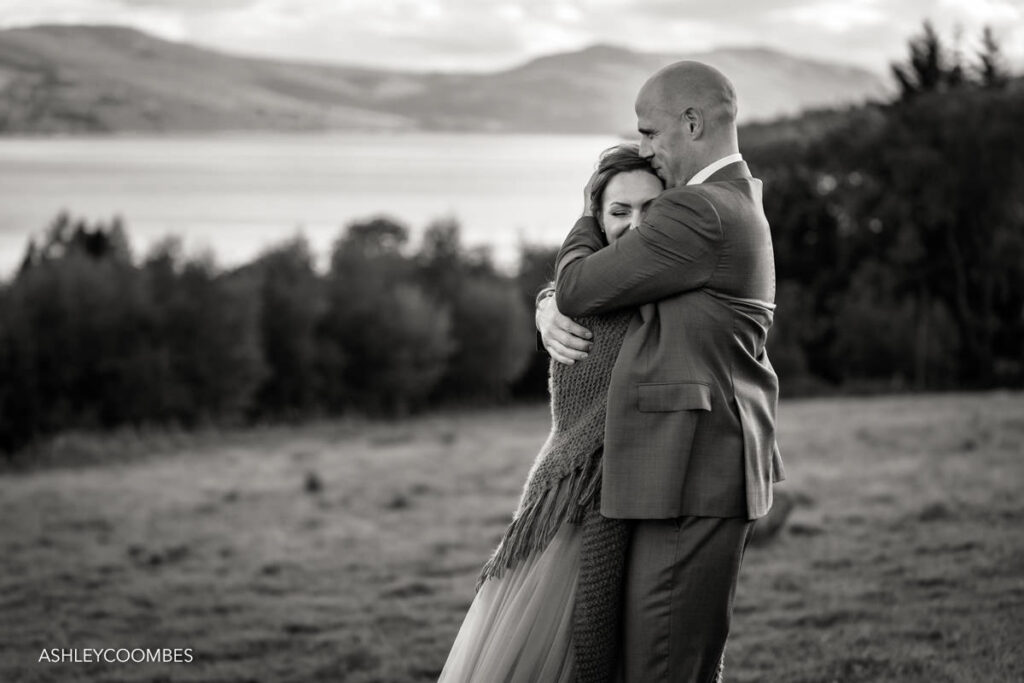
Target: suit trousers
<point x="679" y="585"/>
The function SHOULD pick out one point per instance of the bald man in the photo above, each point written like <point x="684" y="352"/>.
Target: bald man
<point x="690" y="451"/>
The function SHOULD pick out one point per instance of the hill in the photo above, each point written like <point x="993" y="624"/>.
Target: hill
<point x="106" y="78"/>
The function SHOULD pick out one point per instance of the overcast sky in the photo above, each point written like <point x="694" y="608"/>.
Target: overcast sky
<point x="489" y="34"/>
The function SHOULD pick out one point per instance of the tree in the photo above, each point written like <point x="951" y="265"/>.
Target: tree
<point x="291" y="306"/>
<point x="64" y="237"/>
<point x="992" y="70"/>
<point x="536" y="269"/>
<point x="898" y="236"/>
<point x="205" y="353"/>
<point x="929" y="68"/>
<point x="440" y="259"/>
<point x="413" y="343"/>
<point x="493" y="333"/>
<point x="491" y="327"/>
<point x="384" y="339"/>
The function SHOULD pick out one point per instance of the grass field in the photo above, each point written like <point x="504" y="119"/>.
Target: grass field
<point x="345" y="551"/>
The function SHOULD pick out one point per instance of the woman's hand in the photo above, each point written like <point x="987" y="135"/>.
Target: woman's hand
<point x="564" y="340"/>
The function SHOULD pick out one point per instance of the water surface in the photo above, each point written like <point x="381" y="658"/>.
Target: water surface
<point x="239" y="193"/>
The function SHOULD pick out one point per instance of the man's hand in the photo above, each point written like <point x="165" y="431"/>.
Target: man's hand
<point x="564" y="340"/>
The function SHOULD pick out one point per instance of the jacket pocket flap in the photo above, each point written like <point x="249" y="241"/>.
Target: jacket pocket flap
<point x="670" y="396"/>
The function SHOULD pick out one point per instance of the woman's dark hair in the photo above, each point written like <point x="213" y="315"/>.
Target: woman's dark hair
<point x="621" y="158"/>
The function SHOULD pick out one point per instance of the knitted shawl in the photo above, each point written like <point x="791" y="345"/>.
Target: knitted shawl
<point x="564" y="484"/>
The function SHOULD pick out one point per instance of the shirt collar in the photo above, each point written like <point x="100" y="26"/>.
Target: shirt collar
<point x="706" y="172"/>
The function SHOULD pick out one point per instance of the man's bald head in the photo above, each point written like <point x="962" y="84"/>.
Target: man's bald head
<point x="686" y="115"/>
<point x="691" y="84"/>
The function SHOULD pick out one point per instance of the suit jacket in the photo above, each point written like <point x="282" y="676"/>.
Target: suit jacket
<point x="692" y="401"/>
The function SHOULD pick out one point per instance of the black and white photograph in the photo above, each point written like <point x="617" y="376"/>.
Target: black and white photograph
<point x="511" y="341"/>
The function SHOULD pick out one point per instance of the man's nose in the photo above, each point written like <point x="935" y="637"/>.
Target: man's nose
<point x="645" y="149"/>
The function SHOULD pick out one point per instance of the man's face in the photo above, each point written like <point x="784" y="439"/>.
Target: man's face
<point x="664" y="141"/>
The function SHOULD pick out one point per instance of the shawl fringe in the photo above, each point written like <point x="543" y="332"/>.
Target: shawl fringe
<point x="537" y="522"/>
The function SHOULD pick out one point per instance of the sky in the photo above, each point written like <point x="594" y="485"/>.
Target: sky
<point x="481" y="35"/>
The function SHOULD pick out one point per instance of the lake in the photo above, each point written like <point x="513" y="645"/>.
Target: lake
<point x="238" y="193"/>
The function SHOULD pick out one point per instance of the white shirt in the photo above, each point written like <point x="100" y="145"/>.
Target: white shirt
<point x="705" y="173"/>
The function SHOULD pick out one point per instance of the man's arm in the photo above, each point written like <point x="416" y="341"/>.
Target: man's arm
<point x="675" y="249"/>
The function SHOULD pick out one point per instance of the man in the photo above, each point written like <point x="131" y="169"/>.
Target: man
<point x="690" y="450"/>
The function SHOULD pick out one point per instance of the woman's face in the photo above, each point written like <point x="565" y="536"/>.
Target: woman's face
<point x="625" y="199"/>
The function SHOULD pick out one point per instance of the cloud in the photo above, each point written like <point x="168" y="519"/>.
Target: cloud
<point x="837" y="16"/>
<point x="479" y="35"/>
<point x="190" y="5"/>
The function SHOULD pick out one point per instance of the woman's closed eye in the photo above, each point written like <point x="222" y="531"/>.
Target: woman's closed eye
<point x="624" y="197"/>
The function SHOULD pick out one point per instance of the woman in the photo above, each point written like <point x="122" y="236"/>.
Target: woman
<point x="547" y="602"/>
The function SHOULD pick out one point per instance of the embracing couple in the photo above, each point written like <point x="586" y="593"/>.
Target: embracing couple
<point x="621" y="560"/>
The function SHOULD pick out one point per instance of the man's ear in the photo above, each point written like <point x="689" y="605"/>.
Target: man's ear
<point x="693" y="121"/>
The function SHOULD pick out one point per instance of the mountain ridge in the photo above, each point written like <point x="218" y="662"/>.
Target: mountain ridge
<point x="101" y="78"/>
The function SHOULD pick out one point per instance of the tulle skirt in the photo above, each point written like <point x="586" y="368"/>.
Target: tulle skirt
<point x="519" y="627"/>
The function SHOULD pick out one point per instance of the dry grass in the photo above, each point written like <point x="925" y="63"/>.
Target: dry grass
<point x="339" y="551"/>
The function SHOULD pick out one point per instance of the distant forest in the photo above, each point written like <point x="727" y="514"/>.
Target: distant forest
<point x="899" y="243"/>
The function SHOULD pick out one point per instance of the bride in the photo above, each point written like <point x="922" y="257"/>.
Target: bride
<point x="547" y="606"/>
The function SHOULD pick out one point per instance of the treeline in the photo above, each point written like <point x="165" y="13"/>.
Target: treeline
<point x="90" y="339"/>
<point x="899" y="231"/>
<point x="899" y="245"/>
